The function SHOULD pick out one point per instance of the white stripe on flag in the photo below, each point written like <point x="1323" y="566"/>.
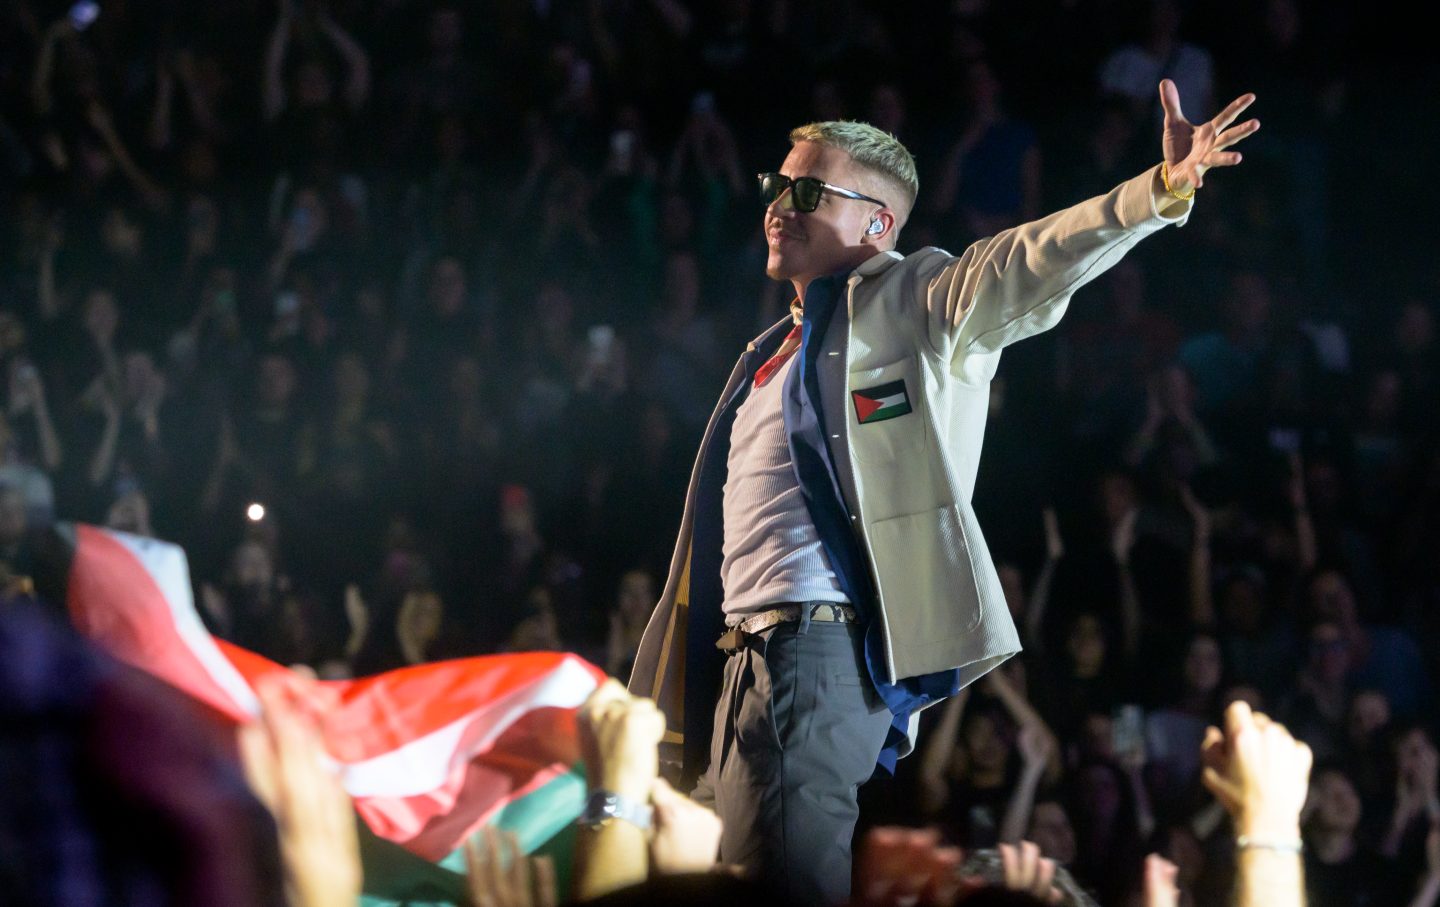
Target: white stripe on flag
<point x="426" y="763"/>
<point x="166" y="564"/>
<point x="892" y="400"/>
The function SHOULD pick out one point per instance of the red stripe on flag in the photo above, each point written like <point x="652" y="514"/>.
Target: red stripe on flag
<point x="114" y="600"/>
<point x="538" y="748"/>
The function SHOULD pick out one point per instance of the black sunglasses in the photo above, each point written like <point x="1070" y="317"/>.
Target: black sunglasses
<point x="805" y="191"/>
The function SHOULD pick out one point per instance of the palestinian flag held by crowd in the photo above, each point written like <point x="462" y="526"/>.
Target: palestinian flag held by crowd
<point x="429" y="753"/>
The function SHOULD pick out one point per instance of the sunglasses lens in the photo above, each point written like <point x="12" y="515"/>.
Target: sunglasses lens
<point x="807" y="193"/>
<point x="771" y="185"/>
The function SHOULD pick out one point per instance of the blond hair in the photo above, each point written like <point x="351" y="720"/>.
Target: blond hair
<point x="874" y="149"/>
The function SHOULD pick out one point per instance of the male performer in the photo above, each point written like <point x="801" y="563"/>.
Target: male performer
<point x="830" y="578"/>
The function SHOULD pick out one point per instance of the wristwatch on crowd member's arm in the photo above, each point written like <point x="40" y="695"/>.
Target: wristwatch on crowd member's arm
<point x="605" y="806"/>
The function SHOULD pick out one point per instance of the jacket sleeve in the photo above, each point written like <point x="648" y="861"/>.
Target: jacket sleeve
<point x="1018" y="282"/>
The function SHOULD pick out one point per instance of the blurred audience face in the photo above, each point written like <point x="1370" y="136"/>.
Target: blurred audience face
<point x="828" y="239"/>
<point x="101" y="315"/>
<point x="1202" y="665"/>
<point x="447" y="287"/>
<point x="1337" y="804"/>
<point x="251" y="566"/>
<point x="517" y="511"/>
<point x="1331" y="598"/>
<point x="1329" y="653"/>
<point x="1012" y="583"/>
<point x="637" y="595"/>
<point x="130" y="513"/>
<point x="1117" y="497"/>
<point x="1050" y="828"/>
<point x="1086" y="646"/>
<point x="275" y="381"/>
<point x="1369" y="713"/>
<point x="985" y="747"/>
<point x="121" y="234"/>
<point x="1411" y="752"/>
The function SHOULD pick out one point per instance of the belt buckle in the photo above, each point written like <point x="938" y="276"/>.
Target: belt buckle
<point x="732" y="642"/>
<point x="828" y="612"/>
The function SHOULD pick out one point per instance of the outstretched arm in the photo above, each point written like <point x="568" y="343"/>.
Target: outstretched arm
<point x="1017" y="282"/>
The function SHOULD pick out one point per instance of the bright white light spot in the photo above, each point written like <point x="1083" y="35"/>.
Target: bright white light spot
<point x="256" y="512"/>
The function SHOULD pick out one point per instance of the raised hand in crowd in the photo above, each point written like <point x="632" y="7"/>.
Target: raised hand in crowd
<point x="687" y="835"/>
<point x="1417" y="788"/>
<point x="27" y="396"/>
<point x="1038" y="751"/>
<point x="1026" y="870"/>
<point x="619" y="740"/>
<point x="285" y="764"/>
<point x="499" y="874"/>
<point x="1202" y="605"/>
<point x="1261" y="775"/>
<point x="1159" y="888"/>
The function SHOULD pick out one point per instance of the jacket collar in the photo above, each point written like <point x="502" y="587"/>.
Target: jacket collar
<point x="875" y="264"/>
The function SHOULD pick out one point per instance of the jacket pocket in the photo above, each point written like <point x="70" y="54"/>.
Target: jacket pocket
<point x="886" y="412"/>
<point x="926" y="581"/>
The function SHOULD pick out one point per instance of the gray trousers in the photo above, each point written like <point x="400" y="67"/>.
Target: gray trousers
<point x="797" y="730"/>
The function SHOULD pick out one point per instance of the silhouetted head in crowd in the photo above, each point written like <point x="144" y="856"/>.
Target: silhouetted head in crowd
<point x="985" y="745"/>
<point x="636" y="596"/>
<point x="1012" y="583"/>
<point x="1201" y="670"/>
<point x="1331" y="598"/>
<point x="130" y="513"/>
<point x="1369" y="717"/>
<point x="1087" y="646"/>
<point x="1334" y="807"/>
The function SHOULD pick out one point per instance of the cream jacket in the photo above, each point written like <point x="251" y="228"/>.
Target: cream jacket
<point x="937" y="322"/>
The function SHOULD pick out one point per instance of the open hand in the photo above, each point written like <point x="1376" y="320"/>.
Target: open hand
<point x="1189" y="149"/>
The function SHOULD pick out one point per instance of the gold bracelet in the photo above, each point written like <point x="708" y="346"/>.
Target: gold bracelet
<point x="1165" y="178"/>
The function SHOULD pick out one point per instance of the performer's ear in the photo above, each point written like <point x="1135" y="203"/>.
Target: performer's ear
<point x="881" y="223"/>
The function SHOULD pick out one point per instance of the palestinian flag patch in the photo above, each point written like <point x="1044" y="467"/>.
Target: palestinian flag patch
<point x="880" y="403"/>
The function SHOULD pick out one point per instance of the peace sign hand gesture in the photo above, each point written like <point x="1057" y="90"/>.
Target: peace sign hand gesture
<point x="1190" y="150"/>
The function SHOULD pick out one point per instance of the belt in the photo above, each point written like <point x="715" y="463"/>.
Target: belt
<point x="826" y="612"/>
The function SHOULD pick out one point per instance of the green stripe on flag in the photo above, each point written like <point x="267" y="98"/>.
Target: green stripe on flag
<point x="543" y="820"/>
